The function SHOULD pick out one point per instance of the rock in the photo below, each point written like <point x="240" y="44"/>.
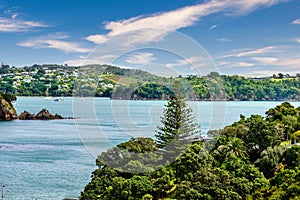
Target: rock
<point x="42" y="115"/>
<point x="57" y="116"/>
<point x="26" y="116"/>
<point x="7" y="111"/>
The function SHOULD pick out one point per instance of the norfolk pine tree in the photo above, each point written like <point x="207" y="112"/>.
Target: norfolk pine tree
<point x="178" y="124"/>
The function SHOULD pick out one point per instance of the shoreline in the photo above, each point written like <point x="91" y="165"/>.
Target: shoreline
<point x="212" y="100"/>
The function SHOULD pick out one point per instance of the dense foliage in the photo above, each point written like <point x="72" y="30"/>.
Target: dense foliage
<point x="119" y="83"/>
<point x="254" y="158"/>
<point x="8" y="97"/>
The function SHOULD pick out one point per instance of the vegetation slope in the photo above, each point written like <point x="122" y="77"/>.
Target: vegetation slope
<point x="254" y="158"/>
<point x="119" y="83"/>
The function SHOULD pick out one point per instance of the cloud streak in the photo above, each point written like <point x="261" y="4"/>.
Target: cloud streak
<point x="266" y="60"/>
<point x="296" y="21"/>
<point x="273" y="58"/>
<point x="141" y="58"/>
<point x="13" y="24"/>
<point x="224" y="40"/>
<point x="54" y="42"/>
<point x="243" y="64"/>
<point x="253" y="52"/>
<point x="153" y="28"/>
<point x="213" y="27"/>
<point x="195" y="61"/>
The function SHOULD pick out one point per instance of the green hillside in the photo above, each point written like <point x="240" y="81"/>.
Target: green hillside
<point x="119" y="83"/>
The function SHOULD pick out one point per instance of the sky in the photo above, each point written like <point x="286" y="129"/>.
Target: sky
<point x="170" y="37"/>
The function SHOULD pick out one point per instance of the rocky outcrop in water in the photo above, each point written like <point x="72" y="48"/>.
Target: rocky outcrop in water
<point x="26" y="116"/>
<point x="7" y="111"/>
<point x="45" y="115"/>
<point x="42" y="115"/>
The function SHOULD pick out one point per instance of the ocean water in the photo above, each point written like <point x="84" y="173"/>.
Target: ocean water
<point x="54" y="159"/>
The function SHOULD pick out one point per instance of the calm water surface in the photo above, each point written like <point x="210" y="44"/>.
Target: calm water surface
<point x="54" y="159"/>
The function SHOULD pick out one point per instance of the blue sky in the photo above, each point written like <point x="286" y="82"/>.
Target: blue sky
<point x="247" y="37"/>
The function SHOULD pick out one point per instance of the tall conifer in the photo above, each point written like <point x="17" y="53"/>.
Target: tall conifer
<point x="178" y="123"/>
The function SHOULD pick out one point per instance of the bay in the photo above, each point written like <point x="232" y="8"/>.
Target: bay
<point x="54" y="159"/>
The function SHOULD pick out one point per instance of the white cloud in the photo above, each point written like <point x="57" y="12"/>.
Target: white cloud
<point x="140" y="58"/>
<point x="98" y="39"/>
<point x="224" y="40"/>
<point x="13" y="24"/>
<point x="296" y="21"/>
<point x="234" y="64"/>
<point x="145" y="29"/>
<point x="289" y="62"/>
<point x="213" y="27"/>
<point x="223" y="63"/>
<point x="154" y="27"/>
<point x="243" y="64"/>
<point x="271" y="60"/>
<point x="54" y="42"/>
<point x="246" y="6"/>
<point x="286" y="64"/>
<point x="196" y="61"/>
<point x="253" y="52"/>
<point x="266" y="60"/>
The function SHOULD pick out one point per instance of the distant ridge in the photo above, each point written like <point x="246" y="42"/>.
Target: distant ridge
<point x="123" y="83"/>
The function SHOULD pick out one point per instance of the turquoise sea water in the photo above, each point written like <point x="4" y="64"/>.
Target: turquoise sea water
<point x="54" y="159"/>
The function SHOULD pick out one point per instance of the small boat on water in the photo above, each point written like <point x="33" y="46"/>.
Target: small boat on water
<point x="58" y="99"/>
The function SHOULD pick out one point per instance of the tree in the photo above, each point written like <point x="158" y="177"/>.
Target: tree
<point x="292" y="156"/>
<point x="234" y="147"/>
<point x="140" y="185"/>
<point x="277" y="114"/>
<point x="286" y="184"/>
<point x="256" y="133"/>
<point x="135" y="156"/>
<point x="269" y="160"/>
<point x="286" y="117"/>
<point x="227" y="172"/>
<point x="296" y="136"/>
<point x="8" y="97"/>
<point x="177" y="122"/>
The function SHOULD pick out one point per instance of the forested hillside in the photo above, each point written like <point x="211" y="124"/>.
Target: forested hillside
<point x="119" y="83"/>
<point x="254" y="158"/>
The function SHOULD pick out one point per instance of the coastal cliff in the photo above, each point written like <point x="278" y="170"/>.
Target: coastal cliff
<point x="7" y="111"/>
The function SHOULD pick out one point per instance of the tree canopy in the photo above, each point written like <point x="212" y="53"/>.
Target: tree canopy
<point x="250" y="159"/>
